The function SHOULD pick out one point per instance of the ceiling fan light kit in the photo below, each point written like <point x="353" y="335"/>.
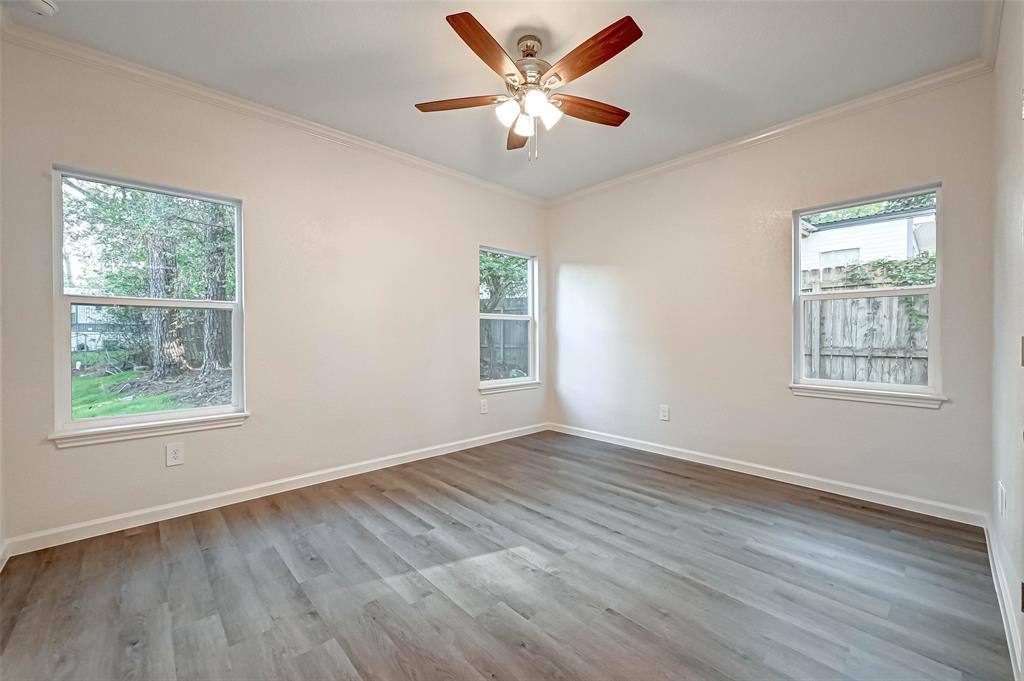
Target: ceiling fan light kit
<point x="508" y="111"/>
<point x="529" y="81"/>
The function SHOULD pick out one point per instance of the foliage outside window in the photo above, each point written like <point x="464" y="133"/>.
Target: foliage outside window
<point x="148" y="306"/>
<point x="508" y="328"/>
<point x="867" y="283"/>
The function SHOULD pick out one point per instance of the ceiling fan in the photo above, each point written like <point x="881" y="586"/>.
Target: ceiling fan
<point x="530" y="80"/>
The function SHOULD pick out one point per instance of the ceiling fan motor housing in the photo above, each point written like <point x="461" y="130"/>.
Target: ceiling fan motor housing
<point x="531" y="66"/>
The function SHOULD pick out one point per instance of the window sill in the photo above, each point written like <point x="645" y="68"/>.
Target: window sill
<point x="900" y="399"/>
<point x="508" y="387"/>
<point x="135" y="431"/>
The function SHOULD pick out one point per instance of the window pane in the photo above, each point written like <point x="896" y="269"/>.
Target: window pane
<point x="504" y="283"/>
<point x="120" y="241"/>
<point x="504" y="349"/>
<point x="132" y="360"/>
<point x="888" y="243"/>
<point x="871" y="340"/>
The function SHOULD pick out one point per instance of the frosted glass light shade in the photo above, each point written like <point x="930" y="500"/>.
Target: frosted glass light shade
<point x="534" y="102"/>
<point x="524" y="126"/>
<point x="550" y="115"/>
<point x="507" y="112"/>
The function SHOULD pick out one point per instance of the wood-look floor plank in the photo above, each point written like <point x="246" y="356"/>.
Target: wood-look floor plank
<point x="147" y="645"/>
<point x="325" y="662"/>
<point x="543" y="557"/>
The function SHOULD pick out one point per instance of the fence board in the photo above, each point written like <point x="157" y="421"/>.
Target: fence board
<point x="876" y="340"/>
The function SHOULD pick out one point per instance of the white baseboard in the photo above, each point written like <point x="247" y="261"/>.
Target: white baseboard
<point x="904" y="501"/>
<point x="1007" y="603"/>
<point x="42" y="539"/>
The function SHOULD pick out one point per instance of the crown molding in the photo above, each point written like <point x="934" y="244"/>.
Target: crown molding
<point x="991" y="22"/>
<point x="939" y="79"/>
<point x="16" y="34"/>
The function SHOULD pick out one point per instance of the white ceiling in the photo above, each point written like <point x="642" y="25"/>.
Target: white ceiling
<point x="702" y="74"/>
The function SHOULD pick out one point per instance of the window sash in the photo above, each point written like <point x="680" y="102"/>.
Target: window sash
<point x="63" y="420"/>
<point x="933" y="291"/>
<point x="870" y="292"/>
<point x="121" y="301"/>
<point x="532" y="360"/>
<point x="931" y="387"/>
<point x="63" y="171"/>
<point x="511" y="317"/>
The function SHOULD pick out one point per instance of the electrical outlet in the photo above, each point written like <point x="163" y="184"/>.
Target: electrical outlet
<point x="483" y="406"/>
<point x="174" y="453"/>
<point x="663" y="412"/>
<point x="1002" y="500"/>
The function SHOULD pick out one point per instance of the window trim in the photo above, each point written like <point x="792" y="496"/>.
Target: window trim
<point x="928" y="396"/>
<point x="68" y="431"/>
<point x="533" y="284"/>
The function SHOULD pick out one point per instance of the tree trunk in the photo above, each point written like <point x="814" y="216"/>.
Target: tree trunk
<point x="217" y="323"/>
<point x="156" y="315"/>
<point x="166" y="347"/>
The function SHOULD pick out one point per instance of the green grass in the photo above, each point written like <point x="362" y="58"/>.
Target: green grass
<point x="91" y="397"/>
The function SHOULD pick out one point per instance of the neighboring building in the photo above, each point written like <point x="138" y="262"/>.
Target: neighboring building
<point x="91" y="328"/>
<point x="859" y="240"/>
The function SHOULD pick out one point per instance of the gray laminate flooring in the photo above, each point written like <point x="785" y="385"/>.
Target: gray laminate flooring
<point x="543" y="557"/>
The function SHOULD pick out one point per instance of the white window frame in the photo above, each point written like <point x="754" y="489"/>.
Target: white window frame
<point x="533" y="380"/>
<point x="927" y="396"/>
<point x="68" y="431"/>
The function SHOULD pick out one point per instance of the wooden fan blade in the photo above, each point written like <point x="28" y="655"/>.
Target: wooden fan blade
<point x="515" y="141"/>
<point x="590" y="110"/>
<point x="593" y="52"/>
<point x="484" y="45"/>
<point x="459" y="103"/>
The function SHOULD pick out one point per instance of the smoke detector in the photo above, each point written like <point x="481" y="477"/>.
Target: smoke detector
<point x="44" y="8"/>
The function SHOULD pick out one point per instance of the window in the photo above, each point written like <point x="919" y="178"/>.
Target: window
<point x="508" y="323"/>
<point x="867" y="300"/>
<point x="148" y="308"/>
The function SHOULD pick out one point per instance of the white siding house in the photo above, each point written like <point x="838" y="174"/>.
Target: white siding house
<point x="852" y="242"/>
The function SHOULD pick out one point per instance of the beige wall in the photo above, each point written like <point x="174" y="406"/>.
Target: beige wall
<point x="1008" y="376"/>
<point x="676" y="289"/>
<point x="351" y="259"/>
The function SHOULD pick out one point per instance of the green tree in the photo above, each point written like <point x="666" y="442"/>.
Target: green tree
<point x="135" y="243"/>
<point x="504" y="281"/>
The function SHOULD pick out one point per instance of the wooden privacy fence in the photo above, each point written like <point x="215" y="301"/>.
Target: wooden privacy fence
<point x="504" y="349"/>
<point x="877" y="340"/>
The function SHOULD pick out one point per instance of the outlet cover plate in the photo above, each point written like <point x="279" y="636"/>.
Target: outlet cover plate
<point x="174" y="453"/>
